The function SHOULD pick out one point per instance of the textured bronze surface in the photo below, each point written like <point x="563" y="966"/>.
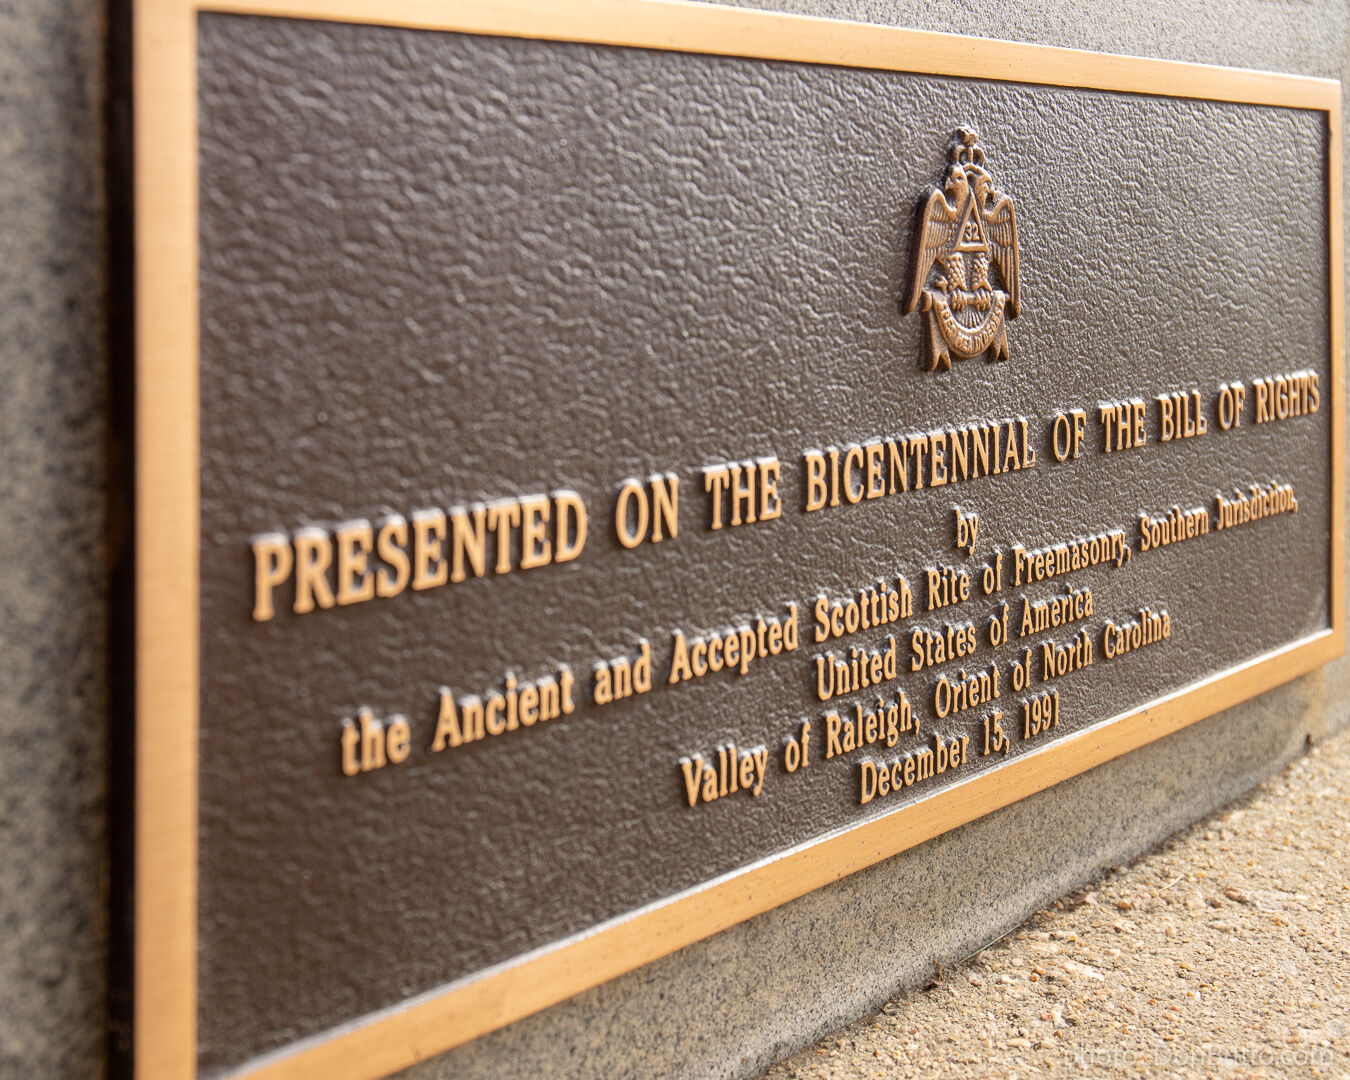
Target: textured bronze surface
<point x="539" y="378"/>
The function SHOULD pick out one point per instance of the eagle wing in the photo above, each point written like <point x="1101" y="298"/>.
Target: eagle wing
<point x="1001" y="228"/>
<point x="937" y="230"/>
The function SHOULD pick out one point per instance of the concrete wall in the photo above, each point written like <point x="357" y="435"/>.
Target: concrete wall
<point x="53" y="588"/>
<point x="725" y="1007"/>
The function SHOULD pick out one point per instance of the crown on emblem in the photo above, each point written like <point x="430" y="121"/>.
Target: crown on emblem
<point x="965" y="148"/>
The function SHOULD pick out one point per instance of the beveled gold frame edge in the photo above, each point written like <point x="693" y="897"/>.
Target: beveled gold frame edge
<point x="166" y="514"/>
<point x="167" y="518"/>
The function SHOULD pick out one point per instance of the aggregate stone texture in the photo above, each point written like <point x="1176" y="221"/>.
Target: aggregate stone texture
<point x="1224" y="952"/>
<point x="53" y="726"/>
<point x="472" y="266"/>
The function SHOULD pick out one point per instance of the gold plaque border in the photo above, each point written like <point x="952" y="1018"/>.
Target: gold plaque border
<point x="167" y="522"/>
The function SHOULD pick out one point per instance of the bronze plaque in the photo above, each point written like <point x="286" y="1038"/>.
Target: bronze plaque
<point x="604" y="473"/>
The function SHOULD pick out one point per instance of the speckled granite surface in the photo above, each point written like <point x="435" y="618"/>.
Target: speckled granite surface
<point x="1219" y="953"/>
<point x="53" y="727"/>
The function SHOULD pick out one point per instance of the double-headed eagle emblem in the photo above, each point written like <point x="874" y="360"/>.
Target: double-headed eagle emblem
<point x="965" y="260"/>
